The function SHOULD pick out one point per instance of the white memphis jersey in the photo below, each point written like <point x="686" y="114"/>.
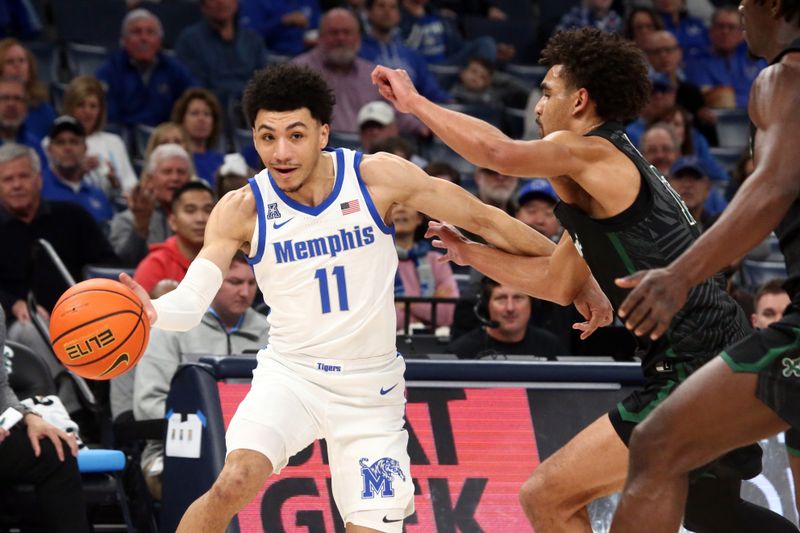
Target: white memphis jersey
<point x="327" y="272"/>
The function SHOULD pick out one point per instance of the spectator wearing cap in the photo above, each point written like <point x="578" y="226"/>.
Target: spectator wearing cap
<point x="375" y="122"/>
<point x="536" y="204"/>
<point x="665" y="56"/>
<point x="143" y="83"/>
<point x="221" y="53"/>
<point x="232" y="175"/>
<point x="382" y="44"/>
<point x="725" y="70"/>
<point x="189" y="210"/>
<point x="66" y="178"/>
<point x="690" y="180"/>
<point x="691" y="32"/>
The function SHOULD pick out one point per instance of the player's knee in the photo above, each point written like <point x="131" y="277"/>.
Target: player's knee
<point x="535" y="496"/>
<point x="651" y="445"/>
<point x="237" y="484"/>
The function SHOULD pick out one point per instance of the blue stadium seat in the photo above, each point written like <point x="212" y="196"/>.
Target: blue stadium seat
<point x="338" y="139"/>
<point x="733" y="128"/>
<point x="46" y="55"/>
<point x="727" y="156"/>
<point x="755" y="273"/>
<point x="242" y="139"/>
<point x="446" y="75"/>
<point x="83" y="59"/>
<point x="174" y="17"/>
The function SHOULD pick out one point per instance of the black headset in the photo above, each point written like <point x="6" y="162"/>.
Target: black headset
<point x="481" y="307"/>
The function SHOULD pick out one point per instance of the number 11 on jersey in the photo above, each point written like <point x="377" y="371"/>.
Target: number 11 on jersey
<point x="341" y="288"/>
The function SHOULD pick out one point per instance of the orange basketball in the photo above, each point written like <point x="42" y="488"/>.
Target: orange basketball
<point x="99" y="329"/>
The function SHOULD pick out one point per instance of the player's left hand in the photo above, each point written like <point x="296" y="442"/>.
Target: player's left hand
<point x="656" y="297"/>
<point x="594" y="306"/>
<point x="396" y="86"/>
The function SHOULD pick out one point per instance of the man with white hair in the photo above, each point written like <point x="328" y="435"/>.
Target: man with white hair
<point x="145" y="220"/>
<point x="143" y="82"/>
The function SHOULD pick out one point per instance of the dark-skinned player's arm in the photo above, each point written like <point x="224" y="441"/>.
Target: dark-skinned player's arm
<point x="530" y="274"/>
<point x="755" y="211"/>
<point x="393" y="180"/>
<point x="477" y="141"/>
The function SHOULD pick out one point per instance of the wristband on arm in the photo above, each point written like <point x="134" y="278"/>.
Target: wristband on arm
<point x="183" y="308"/>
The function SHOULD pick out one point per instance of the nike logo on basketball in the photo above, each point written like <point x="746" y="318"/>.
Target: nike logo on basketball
<point x="275" y="225"/>
<point x="387" y="521"/>
<point x="384" y="392"/>
<point x="122" y="358"/>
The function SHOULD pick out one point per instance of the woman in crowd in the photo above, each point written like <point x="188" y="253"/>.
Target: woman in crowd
<point x="640" y="22"/>
<point x="419" y="273"/>
<point x="16" y="61"/>
<point x="84" y="99"/>
<point x="199" y="113"/>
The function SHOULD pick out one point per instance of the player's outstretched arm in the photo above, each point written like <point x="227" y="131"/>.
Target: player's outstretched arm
<point x="229" y="227"/>
<point x="477" y="141"/>
<point x="758" y="207"/>
<point x="562" y="277"/>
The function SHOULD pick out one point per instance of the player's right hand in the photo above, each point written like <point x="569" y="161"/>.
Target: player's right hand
<point x="396" y="86"/>
<point x="139" y="291"/>
<point x="448" y="238"/>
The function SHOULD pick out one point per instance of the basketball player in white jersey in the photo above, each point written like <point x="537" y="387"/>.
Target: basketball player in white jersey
<point x="313" y="226"/>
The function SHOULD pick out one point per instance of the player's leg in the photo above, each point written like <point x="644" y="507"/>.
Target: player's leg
<point x="591" y="465"/>
<point x="714" y="411"/>
<point x="244" y="473"/>
<point x="793" y="453"/>
<point x="368" y="448"/>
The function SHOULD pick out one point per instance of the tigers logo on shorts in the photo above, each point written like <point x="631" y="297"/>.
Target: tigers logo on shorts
<point x="379" y="477"/>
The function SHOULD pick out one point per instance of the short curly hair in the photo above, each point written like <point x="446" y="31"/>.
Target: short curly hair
<point x="611" y="69"/>
<point x="287" y="87"/>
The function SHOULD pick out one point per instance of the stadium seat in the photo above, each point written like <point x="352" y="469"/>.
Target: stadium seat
<point x="492" y="115"/>
<point x="83" y="59"/>
<point x="446" y="75"/>
<point x="733" y="128"/>
<point x="100" y="469"/>
<point x="46" y="55"/>
<point x="756" y="273"/>
<point x="174" y="17"/>
<point x="141" y="134"/>
<point x="728" y="157"/>
<point x="344" y="140"/>
<point x="95" y="22"/>
<point x="242" y="139"/>
<point x="96" y="271"/>
<point x="532" y="75"/>
<point x="57" y="90"/>
<point x="422" y="346"/>
<point x="438" y="151"/>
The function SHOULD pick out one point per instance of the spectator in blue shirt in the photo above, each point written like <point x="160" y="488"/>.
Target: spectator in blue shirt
<point x="200" y="115"/>
<point x="13" y="112"/>
<point x="382" y="45"/>
<point x="593" y="14"/>
<point x="725" y="71"/>
<point x="16" y="61"/>
<point x="690" y="31"/>
<point x="287" y="26"/>
<point x="221" y="54"/>
<point x="423" y="29"/>
<point x="143" y="83"/>
<point x="66" y="179"/>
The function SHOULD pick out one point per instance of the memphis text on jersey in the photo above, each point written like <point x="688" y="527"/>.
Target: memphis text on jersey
<point x="288" y="251"/>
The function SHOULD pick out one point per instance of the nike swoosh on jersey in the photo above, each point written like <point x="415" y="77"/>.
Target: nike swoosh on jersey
<point x="387" y="391"/>
<point x="275" y="225"/>
<point x="387" y="521"/>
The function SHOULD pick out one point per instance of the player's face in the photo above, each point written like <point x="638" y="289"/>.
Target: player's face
<point x="237" y="292"/>
<point x="66" y="151"/>
<point x="539" y="214"/>
<point x="142" y="40"/>
<point x="19" y="186"/>
<point x="554" y="108"/>
<point x="289" y="144"/>
<point x="87" y="112"/>
<point x="198" y="120"/>
<point x="511" y="308"/>
<point x="188" y="219"/>
<point x="15" y="63"/>
<point x="170" y="173"/>
<point x="769" y="309"/>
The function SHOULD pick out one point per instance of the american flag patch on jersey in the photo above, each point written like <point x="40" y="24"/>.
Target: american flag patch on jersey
<point x="350" y="207"/>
